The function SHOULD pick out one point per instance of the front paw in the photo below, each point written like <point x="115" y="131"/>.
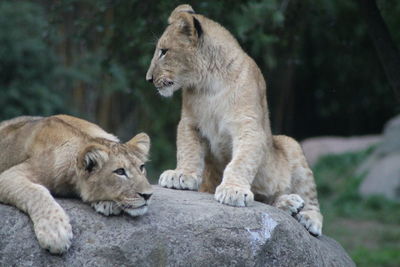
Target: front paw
<point x="106" y="208"/>
<point x="234" y="195"/>
<point x="179" y="180"/>
<point x="311" y="220"/>
<point x="54" y="232"/>
<point x="292" y="203"/>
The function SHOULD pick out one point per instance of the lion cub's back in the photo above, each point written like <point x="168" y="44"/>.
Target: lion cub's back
<point x="290" y="152"/>
<point x="86" y="127"/>
<point x="14" y="135"/>
<point x="17" y="128"/>
<point x="28" y="136"/>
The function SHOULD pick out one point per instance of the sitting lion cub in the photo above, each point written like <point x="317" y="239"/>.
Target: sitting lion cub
<point x="224" y="142"/>
<point x="69" y="156"/>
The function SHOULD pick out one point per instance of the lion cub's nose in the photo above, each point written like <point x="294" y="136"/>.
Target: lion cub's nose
<point x="145" y="196"/>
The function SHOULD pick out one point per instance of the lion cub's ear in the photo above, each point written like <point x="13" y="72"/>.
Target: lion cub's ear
<point x="92" y="157"/>
<point x="178" y="10"/>
<point x="142" y="142"/>
<point x="187" y="24"/>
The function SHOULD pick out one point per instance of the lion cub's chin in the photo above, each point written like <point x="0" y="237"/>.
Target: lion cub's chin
<point x="108" y="208"/>
<point x="167" y="91"/>
<point x="137" y="211"/>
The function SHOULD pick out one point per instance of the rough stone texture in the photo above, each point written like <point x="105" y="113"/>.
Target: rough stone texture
<point x="382" y="168"/>
<point x="316" y="147"/>
<point x="182" y="228"/>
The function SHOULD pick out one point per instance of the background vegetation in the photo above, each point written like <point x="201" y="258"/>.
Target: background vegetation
<point x="89" y="58"/>
<point x="368" y="228"/>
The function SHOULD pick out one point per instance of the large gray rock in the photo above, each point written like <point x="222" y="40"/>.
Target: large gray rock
<point x="391" y="137"/>
<point x="382" y="168"/>
<point x="182" y="228"/>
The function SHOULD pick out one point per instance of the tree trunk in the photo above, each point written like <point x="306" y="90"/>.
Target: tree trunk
<point x="388" y="52"/>
<point x="283" y="111"/>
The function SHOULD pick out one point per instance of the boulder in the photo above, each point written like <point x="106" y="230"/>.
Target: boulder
<point x="182" y="228"/>
<point x="382" y="168"/>
<point x="317" y="147"/>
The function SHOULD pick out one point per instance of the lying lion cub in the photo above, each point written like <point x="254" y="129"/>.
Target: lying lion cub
<point x="224" y="138"/>
<point x="69" y="156"/>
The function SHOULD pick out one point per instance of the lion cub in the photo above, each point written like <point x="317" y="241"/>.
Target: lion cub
<point x="68" y="156"/>
<point x="224" y="140"/>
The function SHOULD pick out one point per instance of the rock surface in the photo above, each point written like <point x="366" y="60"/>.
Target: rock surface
<point x="182" y="228"/>
<point x="317" y="147"/>
<point x="382" y="168"/>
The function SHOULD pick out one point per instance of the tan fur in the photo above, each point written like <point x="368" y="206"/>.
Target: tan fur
<point x="68" y="156"/>
<point x="224" y="141"/>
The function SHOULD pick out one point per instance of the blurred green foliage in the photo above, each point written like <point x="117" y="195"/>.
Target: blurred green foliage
<point x="27" y="63"/>
<point x="367" y="227"/>
<point x="89" y="58"/>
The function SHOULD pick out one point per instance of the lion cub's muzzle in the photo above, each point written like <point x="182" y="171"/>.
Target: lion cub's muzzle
<point x="162" y="83"/>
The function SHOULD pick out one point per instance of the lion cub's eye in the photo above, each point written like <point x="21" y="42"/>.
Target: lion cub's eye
<point x="142" y="169"/>
<point x="120" y="171"/>
<point x="163" y="52"/>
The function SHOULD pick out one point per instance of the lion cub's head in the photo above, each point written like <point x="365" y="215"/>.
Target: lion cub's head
<point x="112" y="176"/>
<point x="175" y="61"/>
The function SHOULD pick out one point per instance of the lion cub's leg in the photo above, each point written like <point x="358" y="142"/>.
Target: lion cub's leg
<point x="248" y="151"/>
<point x="310" y="216"/>
<point x="190" y="160"/>
<point x="303" y="185"/>
<point x="51" y="223"/>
